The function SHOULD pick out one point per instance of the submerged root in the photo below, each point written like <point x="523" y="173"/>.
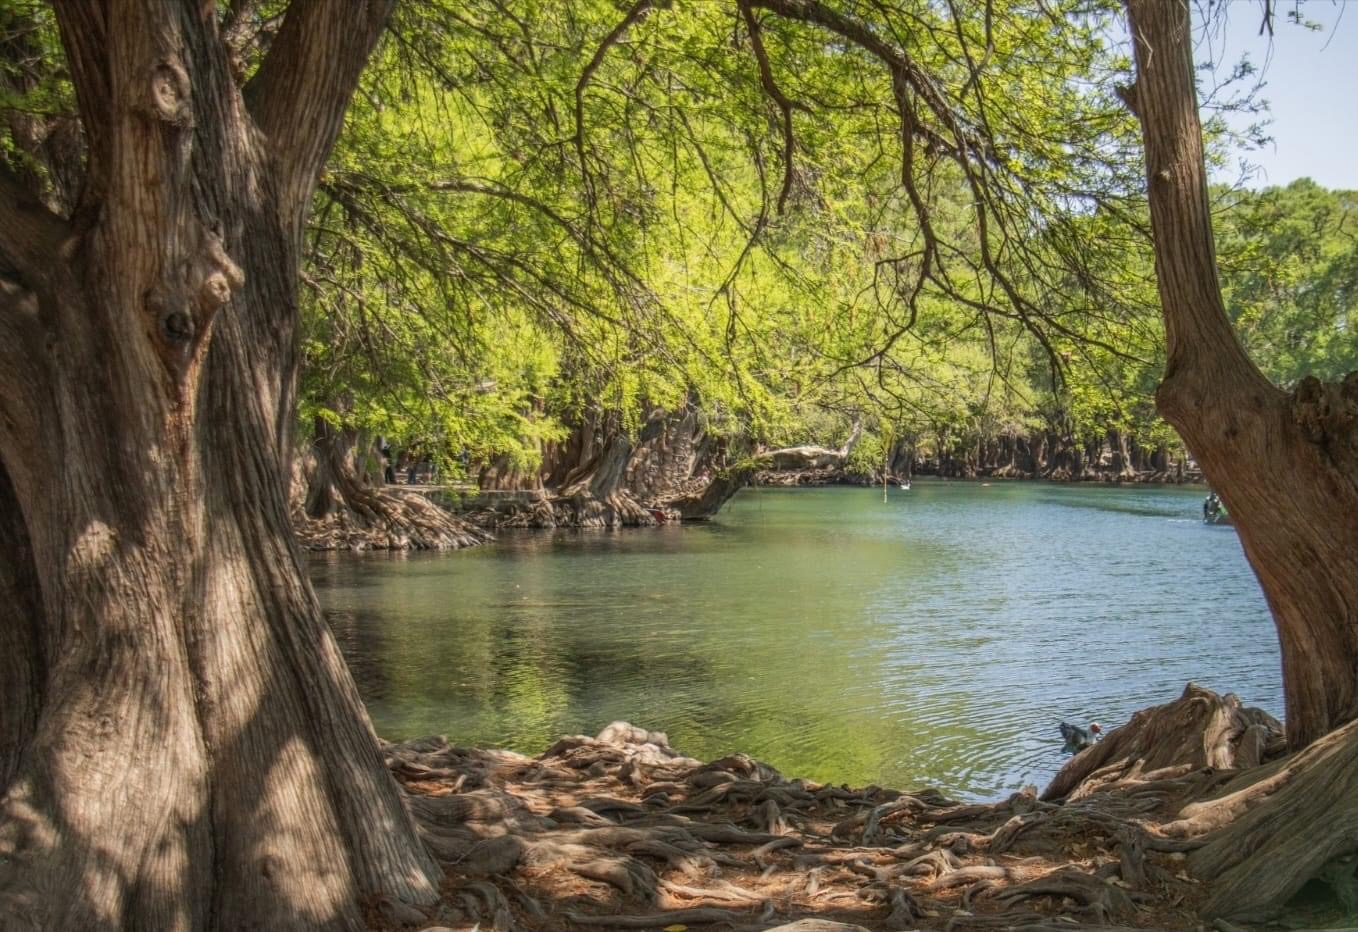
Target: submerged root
<point x="574" y="508"/>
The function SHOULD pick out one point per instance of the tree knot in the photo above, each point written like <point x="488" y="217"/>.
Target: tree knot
<point x="211" y="275"/>
<point x="1326" y="411"/>
<point x="184" y="302"/>
<point x="169" y="87"/>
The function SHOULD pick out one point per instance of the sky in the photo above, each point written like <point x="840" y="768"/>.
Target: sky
<point x="1311" y="85"/>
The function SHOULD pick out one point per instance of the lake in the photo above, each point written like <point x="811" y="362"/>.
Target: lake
<point x="934" y="639"/>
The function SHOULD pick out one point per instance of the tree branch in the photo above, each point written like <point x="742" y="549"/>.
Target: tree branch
<point x="785" y="104"/>
<point x="1197" y="330"/>
<point x="31" y="236"/>
<point x="300" y="94"/>
<point x="634" y="15"/>
<point x="84" y="38"/>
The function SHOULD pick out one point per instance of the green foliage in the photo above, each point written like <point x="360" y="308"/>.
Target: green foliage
<point x="535" y="215"/>
<point x="1289" y="270"/>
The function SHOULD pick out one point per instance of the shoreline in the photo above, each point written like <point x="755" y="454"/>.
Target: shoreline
<point x="811" y="479"/>
<point x="621" y="830"/>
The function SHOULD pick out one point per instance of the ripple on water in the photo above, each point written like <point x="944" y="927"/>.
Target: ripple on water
<point x="936" y="639"/>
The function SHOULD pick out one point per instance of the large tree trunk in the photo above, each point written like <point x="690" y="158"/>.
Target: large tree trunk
<point x="1286" y="464"/>
<point x="188" y="749"/>
<point x="680" y="468"/>
<point x="719" y="488"/>
<point x="340" y="510"/>
<point x="598" y="478"/>
<point x="20" y="660"/>
<point x="502" y="475"/>
<point x="594" y="492"/>
<point x="669" y="454"/>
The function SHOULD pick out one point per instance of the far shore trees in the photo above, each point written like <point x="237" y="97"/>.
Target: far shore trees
<point x="1016" y="107"/>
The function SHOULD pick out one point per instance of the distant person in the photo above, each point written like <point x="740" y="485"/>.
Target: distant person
<point x="388" y="470"/>
<point x="1212" y="509"/>
<point x="412" y="472"/>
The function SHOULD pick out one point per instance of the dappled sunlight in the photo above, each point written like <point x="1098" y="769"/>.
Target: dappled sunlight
<point x="290" y="838"/>
<point x="622" y="831"/>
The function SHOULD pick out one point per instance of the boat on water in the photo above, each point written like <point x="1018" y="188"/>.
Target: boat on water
<point x="1214" y="510"/>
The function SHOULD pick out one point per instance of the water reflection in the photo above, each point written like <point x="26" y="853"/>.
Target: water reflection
<point x="934" y="639"/>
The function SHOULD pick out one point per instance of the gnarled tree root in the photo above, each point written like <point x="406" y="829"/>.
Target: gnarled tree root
<point x="1198" y="730"/>
<point x="621" y="831"/>
<point x="1298" y="823"/>
<point x="386" y="518"/>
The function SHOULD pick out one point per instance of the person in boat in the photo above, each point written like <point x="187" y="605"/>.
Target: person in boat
<point x="1214" y="510"/>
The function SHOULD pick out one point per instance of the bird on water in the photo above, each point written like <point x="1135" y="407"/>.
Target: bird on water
<point x="1077" y="738"/>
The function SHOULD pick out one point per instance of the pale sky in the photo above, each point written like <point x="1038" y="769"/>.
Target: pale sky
<point x="1311" y="85"/>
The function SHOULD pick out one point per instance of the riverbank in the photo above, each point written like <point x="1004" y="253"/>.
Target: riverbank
<point x="623" y="831"/>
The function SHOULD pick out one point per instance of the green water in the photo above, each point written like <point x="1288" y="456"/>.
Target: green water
<point x="935" y="639"/>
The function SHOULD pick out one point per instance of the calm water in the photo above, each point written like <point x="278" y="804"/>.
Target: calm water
<point x="934" y="639"/>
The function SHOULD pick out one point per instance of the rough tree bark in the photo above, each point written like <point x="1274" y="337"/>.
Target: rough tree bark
<point x="1286" y="463"/>
<point x="719" y="488"/>
<point x="810" y="456"/>
<point x="188" y="750"/>
<point x="1286" y="826"/>
<point x="340" y="510"/>
<point x="1260" y="825"/>
<point x="1200" y="729"/>
<point x="678" y="466"/>
<point x="1287" y="466"/>
<point x="669" y="453"/>
<point x="502" y="475"/>
<point x="595" y="488"/>
<point x="335" y="481"/>
<point x="598" y="477"/>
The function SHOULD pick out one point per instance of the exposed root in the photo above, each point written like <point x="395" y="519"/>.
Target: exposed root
<point x="621" y="831"/>
<point x="678" y="917"/>
<point x="1307" y="810"/>
<point x="1199" y="730"/>
<point x="576" y="508"/>
<point x="1101" y="899"/>
<point x="385" y="518"/>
